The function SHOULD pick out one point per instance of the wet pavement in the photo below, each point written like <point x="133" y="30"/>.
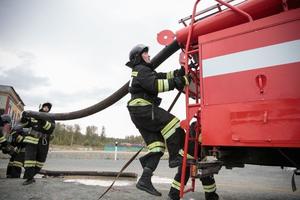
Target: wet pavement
<point x="251" y="182"/>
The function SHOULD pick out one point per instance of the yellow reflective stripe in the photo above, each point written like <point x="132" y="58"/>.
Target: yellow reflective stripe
<point x="47" y="126"/>
<point x="156" y="144"/>
<point x="166" y="85"/>
<point x="209" y="188"/>
<point x="188" y="155"/>
<point x="160" y="85"/>
<point x="34" y="120"/>
<point x="170" y="75"/>
<point x="10" y="163"/>
<point x="32" y="140"/>
<point x="2" y="139"/>
<point x="186" y="80"/>
<point x="29" y="163"/>
<point x="170" y="128"/>
<point x="170" y="125"/>
<point x="134" y="74"/>
<point x="139" y="102"/>
<point x="18" y="164"/>
<point x="25" y="124"/>
<point x="19" y="138"/>
<point x="176" y="185"/>
<point x="12" y="132"/>
<point x="157" y="149"/>
<point x="39" y="164"/>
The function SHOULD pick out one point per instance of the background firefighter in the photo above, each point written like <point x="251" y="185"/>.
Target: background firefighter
<point x="5" y="126"/>
<point x="16" y="162"/>
<point x="157" y="126"/>
<point x="37" y="143"/>
<point x="208" y="182"/>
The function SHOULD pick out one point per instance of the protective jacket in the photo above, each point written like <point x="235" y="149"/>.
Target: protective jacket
<point x="147" y="83"/>
<point x="157" y="126"/>
<point x="16" y="161"/>
<point x="37" y="144"/>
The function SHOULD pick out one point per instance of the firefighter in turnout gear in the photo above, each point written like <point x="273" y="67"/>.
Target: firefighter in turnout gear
<point x="157" y="126"/>
<point x="208" y="182"/>
<point x="5" y="126"/>
<point x="16" y="161"/>
<point x="37" y="142"/>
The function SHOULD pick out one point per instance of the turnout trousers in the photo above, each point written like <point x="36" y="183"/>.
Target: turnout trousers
<point x="35" y="155"/>
<point x="157" y="127"/>
<point x="208" y="182"/>
<point x="16" y="162"/>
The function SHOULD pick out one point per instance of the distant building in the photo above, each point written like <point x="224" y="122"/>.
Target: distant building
<point x="10" y="102"/>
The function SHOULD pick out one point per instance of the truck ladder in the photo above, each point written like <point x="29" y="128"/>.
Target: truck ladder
<point x="193" y="109"/>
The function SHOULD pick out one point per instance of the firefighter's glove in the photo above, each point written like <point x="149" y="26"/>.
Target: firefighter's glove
<point x="8" y="149"/>
<point x="24" y="117"/>
<point x="179" y="72"/>
<point x="181" y="82"/>
<point x="24" y="114"/>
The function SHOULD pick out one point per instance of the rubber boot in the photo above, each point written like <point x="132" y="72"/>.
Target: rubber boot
<point x="211" y="196"/>
<point x="145" y="183"/>
<point x="29" y="181"/>
<point x="174" y="144"/>
<point x="170" y="197"/>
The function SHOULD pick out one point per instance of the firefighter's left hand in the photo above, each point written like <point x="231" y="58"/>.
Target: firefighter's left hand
<point x="181" y="81"/>
<point x="179" y="72"/>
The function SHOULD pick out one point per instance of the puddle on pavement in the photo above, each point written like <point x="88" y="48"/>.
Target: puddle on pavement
<point x="105" y="182"/>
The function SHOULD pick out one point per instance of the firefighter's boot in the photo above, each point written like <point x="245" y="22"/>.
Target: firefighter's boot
<point x="211" y="196"/>
<point x="145" y="183"/>
<point x="174" y="144"/>
<point x="29" y="181"/>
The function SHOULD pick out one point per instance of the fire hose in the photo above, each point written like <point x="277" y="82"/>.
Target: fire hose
<point x="110" y="100"/>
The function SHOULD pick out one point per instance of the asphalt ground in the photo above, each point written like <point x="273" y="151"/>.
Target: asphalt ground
<point x="251" y="182"/>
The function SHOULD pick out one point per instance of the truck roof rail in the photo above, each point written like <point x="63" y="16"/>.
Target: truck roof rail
<point x="202" y="12"/>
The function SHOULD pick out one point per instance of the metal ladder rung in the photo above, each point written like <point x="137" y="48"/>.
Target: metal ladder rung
<point x="193" y="51"/>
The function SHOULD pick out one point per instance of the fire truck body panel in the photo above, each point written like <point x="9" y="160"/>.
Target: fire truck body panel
<point x="257" y="9"/>
<point x="251" y="84"/>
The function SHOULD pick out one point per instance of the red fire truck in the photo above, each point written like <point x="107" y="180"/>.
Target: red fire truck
<point x="245" y="91"/>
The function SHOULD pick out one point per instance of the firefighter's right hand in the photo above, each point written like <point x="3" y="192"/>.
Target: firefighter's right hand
<point x="24" y="116"/>
<point x="181" y="82"/>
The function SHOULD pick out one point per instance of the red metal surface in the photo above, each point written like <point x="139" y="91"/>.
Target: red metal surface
<point x="258" y="107"/>
<point x="190" y="111"/>
<point x="281" y="26"/>
<point x="165" y="37"/>
<point x="254" y="124"/>
<point x="241" y="12"/>
<point x="247" y="100"/>
<point x="257" y="9"/>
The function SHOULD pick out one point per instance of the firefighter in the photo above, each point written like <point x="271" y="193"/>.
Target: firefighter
<point x="37" y="142"/>
<point x="5" y="125"/>
<point x="16" y="161"/>
<point x="208" y="182"/>
<point x="157" y="126"/>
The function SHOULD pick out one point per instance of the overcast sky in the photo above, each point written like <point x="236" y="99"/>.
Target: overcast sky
<point x="73" y="52"/>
